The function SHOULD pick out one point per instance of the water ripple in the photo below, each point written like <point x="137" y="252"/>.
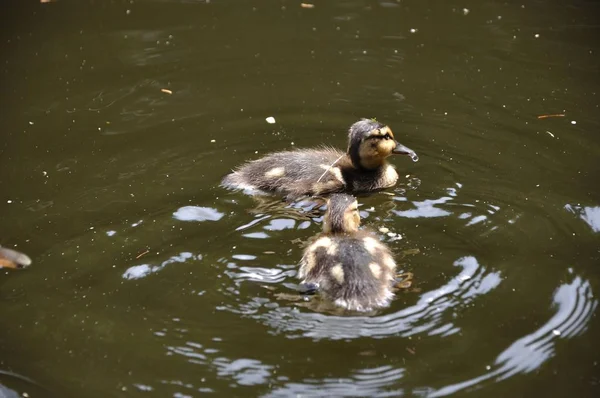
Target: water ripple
<point x="143" y="270"/>
<point x="432" y="314"/>
<point x="446" y="206"/>
<point x="363" y="383"/>
<point x="590" y="215"/>
<point x="575" y="305"/>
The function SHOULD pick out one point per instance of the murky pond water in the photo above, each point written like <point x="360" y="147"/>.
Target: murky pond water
<point x="120" y="119"/>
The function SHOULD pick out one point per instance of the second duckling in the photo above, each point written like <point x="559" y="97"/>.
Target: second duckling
<point x="321" y="171"/>
<point x="349" y="267"/>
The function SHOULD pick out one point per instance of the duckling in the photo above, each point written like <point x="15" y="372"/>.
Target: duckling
<point x="349" y="267"/>
<point x="322" y="171"/>
<point x="13" y="259"/>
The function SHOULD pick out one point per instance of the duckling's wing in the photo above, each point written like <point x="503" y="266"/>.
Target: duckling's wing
<point x="291" y="172"/>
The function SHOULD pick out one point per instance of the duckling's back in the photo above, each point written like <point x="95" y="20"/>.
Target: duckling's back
<point x="353" y="271"/>
<point x="294" y="173"/>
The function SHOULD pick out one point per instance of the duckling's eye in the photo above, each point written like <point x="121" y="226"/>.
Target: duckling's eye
<point x="387" y="137"/>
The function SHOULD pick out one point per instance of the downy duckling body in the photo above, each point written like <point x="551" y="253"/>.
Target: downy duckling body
<point x="350" y="268"/>
<point x="322" y="171"/>
<point x="13" y="259"/>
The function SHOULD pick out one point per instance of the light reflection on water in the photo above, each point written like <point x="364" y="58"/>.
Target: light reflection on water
<point x="371" y="382"/>
<point x="436" y="312"/>
<point x="432" y="314"/>
<point x="446" y="206"/>
<point x="590" y="215"/>
<point x="575" y="305"/>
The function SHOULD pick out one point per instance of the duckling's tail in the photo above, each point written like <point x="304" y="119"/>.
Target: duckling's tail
<point x="353" y="300"/>
<point x="359" y="291"/>
<point x="13" y="259"/>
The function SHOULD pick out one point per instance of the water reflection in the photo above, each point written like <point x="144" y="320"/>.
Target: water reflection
<point x="590" y="215"/>
<point x="371" y="382"/>
<point x="446" y="206"/>
<point x="432" y="314"/>
<point x="575" y="305"/>
<point x="143" y="270"/>
<point x="197" y="213"/>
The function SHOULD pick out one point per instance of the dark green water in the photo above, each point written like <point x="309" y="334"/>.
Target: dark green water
<point x="98" y="166"/>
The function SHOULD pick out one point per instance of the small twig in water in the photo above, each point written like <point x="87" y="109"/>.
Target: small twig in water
<point x="554" y="115"/>
<point x="141" y="254"/>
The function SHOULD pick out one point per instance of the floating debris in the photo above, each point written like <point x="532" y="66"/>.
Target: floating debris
<point x="307" y="5"/>
<point x="142" y="254"/>
<point x="166" y="91"/>
<point x="270" y="120"/>
<point x="552" y="115"/>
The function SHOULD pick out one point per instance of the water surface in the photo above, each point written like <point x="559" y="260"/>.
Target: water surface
<point x="120" y="119"/>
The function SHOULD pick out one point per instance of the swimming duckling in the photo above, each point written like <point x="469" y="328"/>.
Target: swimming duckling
<point x="13" y="259"/>
<point x="321" y="171"/>
<point x="350" y="268"/>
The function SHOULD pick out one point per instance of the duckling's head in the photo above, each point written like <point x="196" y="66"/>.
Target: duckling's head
<point x="371" y="142"/>
<point x="13" y="259"/>
<point x="342" y="214"/>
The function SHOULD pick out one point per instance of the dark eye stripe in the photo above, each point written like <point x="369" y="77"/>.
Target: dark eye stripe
<point x="379" y="137"/>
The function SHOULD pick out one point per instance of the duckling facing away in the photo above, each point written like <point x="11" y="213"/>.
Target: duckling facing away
<point x="321" y="171"/>
<point x="348" y="267"/>
<point x="13" y="259"/>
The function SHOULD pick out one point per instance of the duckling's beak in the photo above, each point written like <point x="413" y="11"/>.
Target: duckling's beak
<point x="402" y="150"/>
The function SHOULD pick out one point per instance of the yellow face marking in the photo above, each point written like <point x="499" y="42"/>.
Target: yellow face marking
<point x="373" y="151"/>
<point x="388" y="262"/>
<point x="371" y="244"/>
<point x="375" y="269"/>
<point x="386" y="130"/>
<point x="275" y="172"/>
<point x="338" y="273"/>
